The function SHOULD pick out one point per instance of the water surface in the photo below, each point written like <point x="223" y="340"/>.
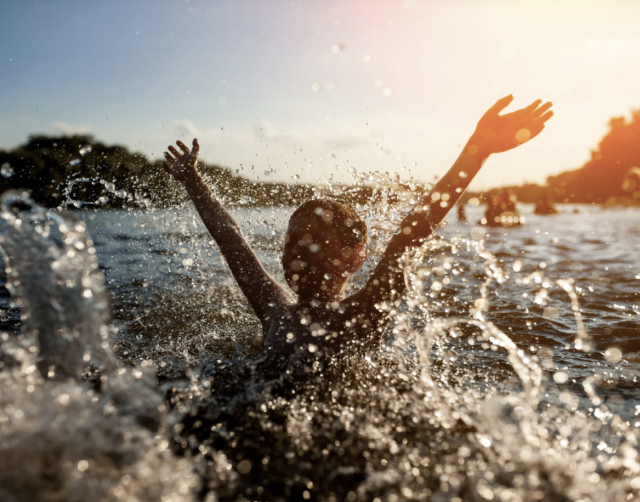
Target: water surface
<point x="479" y="393"/>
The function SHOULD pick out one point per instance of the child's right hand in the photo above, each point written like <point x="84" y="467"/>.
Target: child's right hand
<point x="182" y="165"/>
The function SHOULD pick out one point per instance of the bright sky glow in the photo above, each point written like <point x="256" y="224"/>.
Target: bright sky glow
<point x="282" y="88"/>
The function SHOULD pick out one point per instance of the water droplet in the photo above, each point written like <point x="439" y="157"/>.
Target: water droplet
<point x="486" y="442"/>
<point x="223" y="100"/>
<point x="366" y="59"/>
<point x="387" y="92"/>
<point x="6" y="170"/>
<point x="316" y="87"/>
<point x="75" y="162"/>
<point x="481" y="304"/>
<point x="462" y="174"/>
<point x="613" y="354"/>
<point x="244" y="467"/>
<point x="560" y="377"/>
<point x="63" y="399"/>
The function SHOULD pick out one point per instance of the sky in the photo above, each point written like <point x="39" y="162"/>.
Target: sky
<point x="313" y="90"/>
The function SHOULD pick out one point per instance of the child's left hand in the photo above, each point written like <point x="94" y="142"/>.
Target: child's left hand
<point x="181" y="165"/>
<point x="499" y="133"/>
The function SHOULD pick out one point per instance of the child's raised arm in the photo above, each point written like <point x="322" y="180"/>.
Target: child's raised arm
<point x="261" y="290"/>
<point x="495" y="133"/>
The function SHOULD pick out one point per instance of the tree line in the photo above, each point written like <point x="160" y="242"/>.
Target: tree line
<point x="78" y="171"/>
<point x="613" y="171"/>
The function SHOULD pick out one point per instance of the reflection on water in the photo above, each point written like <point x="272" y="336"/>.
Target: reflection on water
<point x="484" y="390"/>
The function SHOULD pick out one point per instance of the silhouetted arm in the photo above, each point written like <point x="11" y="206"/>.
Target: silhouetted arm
<point x="495" y="133"/>
<point x="258" y="286"/>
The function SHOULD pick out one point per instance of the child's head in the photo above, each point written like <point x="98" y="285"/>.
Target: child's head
<point x="325" y="244"/>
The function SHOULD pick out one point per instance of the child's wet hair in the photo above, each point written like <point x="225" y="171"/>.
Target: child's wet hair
<point x="345" y="220"/>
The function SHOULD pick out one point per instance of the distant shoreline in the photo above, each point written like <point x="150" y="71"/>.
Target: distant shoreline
<point x="81" y="170"/>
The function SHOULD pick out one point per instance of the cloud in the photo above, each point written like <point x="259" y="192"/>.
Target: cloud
<point x="312" y="137"/>
<point x="70" y="129"/>
<point x="186" y="129"/>
<point x="346" y="142"/>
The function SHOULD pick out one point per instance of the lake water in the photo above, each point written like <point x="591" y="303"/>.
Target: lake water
<point x="511" y="372"/>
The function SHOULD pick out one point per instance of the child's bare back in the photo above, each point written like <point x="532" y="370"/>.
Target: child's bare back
<point x="326" y="243"/>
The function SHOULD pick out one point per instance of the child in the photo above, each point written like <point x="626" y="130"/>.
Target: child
<point x="326" y="243"/>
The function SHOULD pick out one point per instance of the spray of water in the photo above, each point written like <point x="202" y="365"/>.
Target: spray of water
<point x="451" y="408"/>
<point x="74" y="424"/>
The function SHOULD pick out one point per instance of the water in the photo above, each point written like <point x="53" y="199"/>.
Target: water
<point x="510" y="372"/>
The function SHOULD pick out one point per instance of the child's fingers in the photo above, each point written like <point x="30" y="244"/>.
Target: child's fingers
<point x="545" y="117"/>
<point x="540" y="111"/>
<point x="175" y="152"/>
<point x="533" y="105"/>
<point x="500" y="105"/>
<point x="169" y="163"/>
<point x="196" y="146"/>
<point x="538" y="125"/>
<point x="182" y="146"/>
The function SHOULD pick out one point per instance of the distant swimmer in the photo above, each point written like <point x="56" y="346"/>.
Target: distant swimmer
<point x="545" y="206"/>
<point x="325" y="245"/>
<point x="502" y="211"/>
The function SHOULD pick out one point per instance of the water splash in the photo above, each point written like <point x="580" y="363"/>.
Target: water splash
<point x="107" y="189"/>
<point x="452" y="408"/>
<point x="52" y="270"/>
<point x="6" y="170"/>
<point x="74" y="424"/>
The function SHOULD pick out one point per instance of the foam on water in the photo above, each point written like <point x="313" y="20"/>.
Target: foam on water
<point x="74" y="424"/>
<point x="452" y="407"/>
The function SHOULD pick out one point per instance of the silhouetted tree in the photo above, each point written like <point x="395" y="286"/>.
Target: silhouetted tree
<point x="604" y="175"/>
